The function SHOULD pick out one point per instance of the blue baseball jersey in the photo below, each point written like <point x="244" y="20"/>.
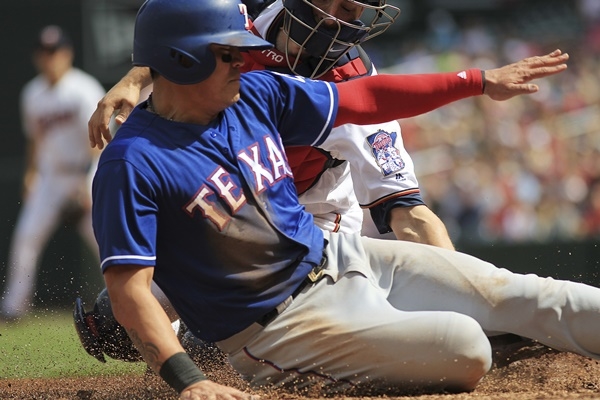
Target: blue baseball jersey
<point x="214" y="208"/>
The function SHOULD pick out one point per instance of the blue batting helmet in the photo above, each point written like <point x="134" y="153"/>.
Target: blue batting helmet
<point x="100" y="333"/>
<point x="166" y="31"/>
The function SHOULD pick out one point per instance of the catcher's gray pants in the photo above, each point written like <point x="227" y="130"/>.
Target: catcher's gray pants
<point x="395" y="313"/>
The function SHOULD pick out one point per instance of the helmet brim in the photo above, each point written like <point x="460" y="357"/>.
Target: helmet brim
<point x="242" y="40"/>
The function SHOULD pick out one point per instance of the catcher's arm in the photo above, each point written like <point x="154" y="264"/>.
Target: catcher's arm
<point x="381" y="98"/>
<point x="123" y="97"/>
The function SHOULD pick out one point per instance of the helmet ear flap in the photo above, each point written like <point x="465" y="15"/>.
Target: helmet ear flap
<point x="180" y="66"/>
<point x="189" y="67"/>
<point x="181" y="59"/>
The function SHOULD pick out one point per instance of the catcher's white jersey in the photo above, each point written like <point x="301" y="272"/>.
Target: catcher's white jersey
<point x="378" y="168"/>
<point x="381" y="169"/>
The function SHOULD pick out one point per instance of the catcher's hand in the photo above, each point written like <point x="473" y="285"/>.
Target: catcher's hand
<point x="123" y="97"/>
<point x="513" y="79"/>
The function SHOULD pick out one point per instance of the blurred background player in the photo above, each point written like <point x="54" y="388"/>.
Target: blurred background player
<point x="55" y="108"/>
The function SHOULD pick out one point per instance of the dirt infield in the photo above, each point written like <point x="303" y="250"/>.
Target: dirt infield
<point x="521" y="371"/>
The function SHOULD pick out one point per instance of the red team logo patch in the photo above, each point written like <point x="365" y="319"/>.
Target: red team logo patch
<point x="386" y="154"/>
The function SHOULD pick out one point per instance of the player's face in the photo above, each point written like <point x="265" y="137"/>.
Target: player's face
<point x="343" y="10"/>
<point x="53" y="63"/>
<point x="224" y="83"/>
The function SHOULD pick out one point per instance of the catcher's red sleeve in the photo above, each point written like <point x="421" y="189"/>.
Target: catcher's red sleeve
<point x="383" y="98"/>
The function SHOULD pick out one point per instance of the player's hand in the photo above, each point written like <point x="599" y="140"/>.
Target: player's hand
<point x="513" y="79"/>
<point x="123" y="97"/>
<point x="209" y="390"/>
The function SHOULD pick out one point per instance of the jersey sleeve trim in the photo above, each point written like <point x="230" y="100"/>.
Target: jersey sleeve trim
<point x="113" y="260"/>
<point x="380" y="210"/>
<point x="387" y="198"/>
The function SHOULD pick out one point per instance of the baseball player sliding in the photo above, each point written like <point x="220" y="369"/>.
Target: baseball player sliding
<point x="199" y="169"/>
<point x="326" y="36"/>
<point x="56" y="106"/>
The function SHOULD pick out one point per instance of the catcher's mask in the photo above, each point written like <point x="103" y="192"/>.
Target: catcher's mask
<point x="101" y="334"/>
<point x="330" y="38"/>
<point x="167" y="32"/>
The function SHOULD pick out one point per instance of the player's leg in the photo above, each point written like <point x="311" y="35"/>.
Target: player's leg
<point x="36" y="222"/>
<point x="324" y="339"/>
<point x="343" y="331"/>
<point x="560" y="314"/>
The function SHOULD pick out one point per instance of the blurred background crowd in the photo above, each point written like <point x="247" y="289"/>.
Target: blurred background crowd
<point x="524" y="170"/>
<point x="521" y="171"/>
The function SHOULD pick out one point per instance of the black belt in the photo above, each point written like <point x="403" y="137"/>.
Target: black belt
<point x="313" y="276"/>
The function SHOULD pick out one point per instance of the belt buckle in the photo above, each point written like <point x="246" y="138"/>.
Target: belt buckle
<point x="314" y="275"/>
<point x="317" y="272"/>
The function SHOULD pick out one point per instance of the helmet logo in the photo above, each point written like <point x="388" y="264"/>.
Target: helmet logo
<point x="244" y="12"/>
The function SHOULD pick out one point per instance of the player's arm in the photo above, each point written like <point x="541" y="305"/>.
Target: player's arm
<point x="123" y="97"/>
<point x="138" y="311"/>
<point x="136" y="308"/>
<point x="420" y="225"/>
<point x="381" y="98"/>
